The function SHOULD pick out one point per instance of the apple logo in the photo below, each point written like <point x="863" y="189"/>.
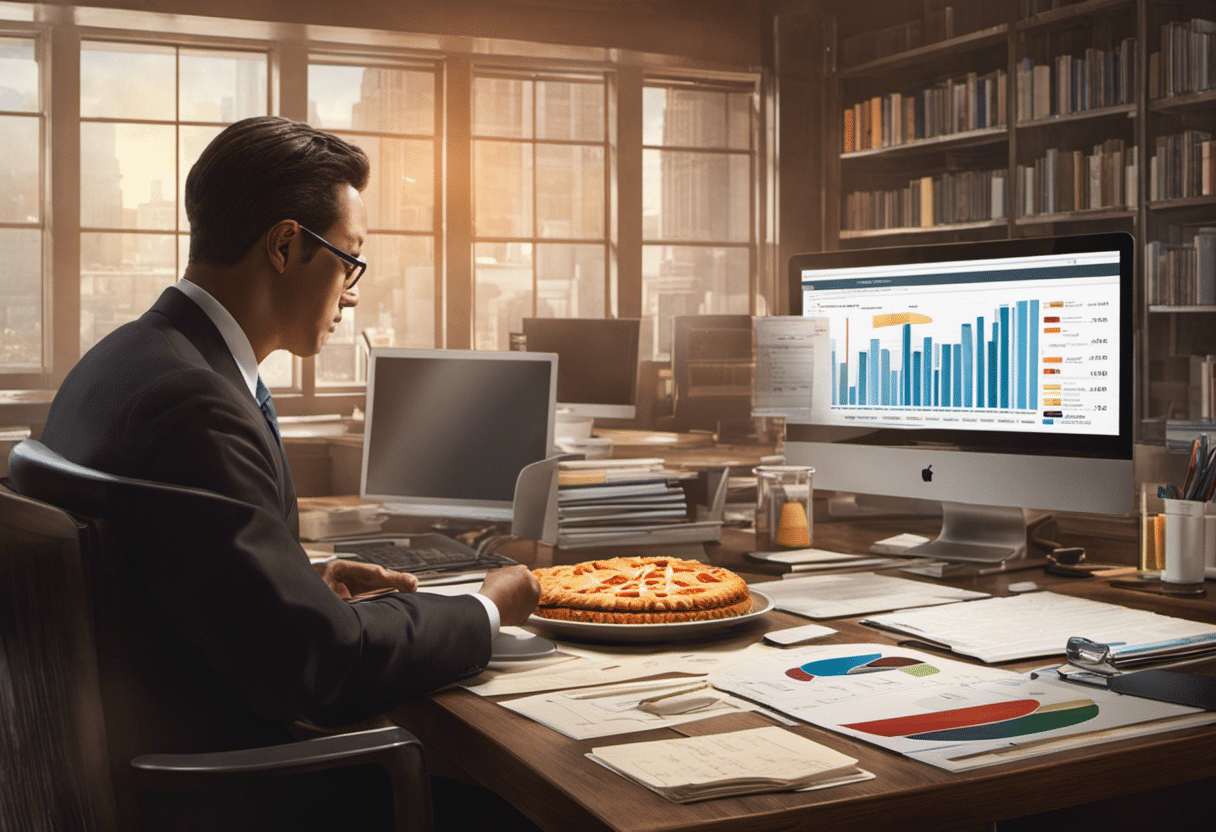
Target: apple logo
<point x="926" y="473"/>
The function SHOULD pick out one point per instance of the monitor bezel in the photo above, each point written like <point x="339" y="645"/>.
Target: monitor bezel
<point x="1059" y="444"/>
<point x="447" y="506"/>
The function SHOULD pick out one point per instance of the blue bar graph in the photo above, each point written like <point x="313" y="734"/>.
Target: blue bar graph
<point x="992" y="363"/>
<point x="1003" y="358"/>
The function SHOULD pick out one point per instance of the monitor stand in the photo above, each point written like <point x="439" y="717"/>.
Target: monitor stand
<point x="987" y="535"/>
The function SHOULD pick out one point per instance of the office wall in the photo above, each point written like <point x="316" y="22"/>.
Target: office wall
<point x="729" y="32"/>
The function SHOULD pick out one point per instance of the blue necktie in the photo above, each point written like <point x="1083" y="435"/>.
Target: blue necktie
<point x="264" y="402"/>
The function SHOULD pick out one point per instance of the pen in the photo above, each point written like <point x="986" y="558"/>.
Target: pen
<point x="1190" y="470"/>
<point x="701" y="686"/>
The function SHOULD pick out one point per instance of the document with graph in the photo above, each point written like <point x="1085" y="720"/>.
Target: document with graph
<point x="952" y="715"/>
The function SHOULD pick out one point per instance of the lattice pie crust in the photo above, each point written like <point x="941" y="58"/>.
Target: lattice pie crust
<point x="641" y="590"/>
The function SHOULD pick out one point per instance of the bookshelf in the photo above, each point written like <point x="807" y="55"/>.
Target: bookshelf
<point x="1022" y="118"/>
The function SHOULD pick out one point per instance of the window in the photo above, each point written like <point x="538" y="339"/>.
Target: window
<point x="22" y="215"/>
<point x="508" y="181"/>
<point x="698" y="204"/>
<point x="147" y="111"/>
<point x="539" y="200"/>
<point x="390" y="112"/>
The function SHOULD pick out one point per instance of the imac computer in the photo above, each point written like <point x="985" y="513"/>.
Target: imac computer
<point x="990" y="376"/>
<point x="597" y="366"/>
<point x="448" y="431"/>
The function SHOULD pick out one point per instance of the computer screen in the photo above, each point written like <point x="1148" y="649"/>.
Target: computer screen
<point x="597" y="366"/>
<point x="448" y="431"/>
<point x="991" y="376"/>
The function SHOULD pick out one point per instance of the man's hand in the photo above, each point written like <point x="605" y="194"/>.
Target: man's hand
<point x="514" y="590"/>
<point x="348" y="578"/>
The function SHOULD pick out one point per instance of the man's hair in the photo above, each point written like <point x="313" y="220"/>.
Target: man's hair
<point x="260" y="171"/>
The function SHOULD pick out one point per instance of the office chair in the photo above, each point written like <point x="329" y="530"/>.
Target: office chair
<point x="80" y="729"/>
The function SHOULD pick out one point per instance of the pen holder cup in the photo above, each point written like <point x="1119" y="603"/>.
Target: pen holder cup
<point x="1185" y="546"/>
<point x="783" y="506"/>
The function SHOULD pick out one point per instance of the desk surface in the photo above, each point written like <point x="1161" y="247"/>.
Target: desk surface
<point x="547" y="776"/>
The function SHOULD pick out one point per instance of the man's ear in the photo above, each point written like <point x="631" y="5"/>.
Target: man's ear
<point x="278" y="243"/>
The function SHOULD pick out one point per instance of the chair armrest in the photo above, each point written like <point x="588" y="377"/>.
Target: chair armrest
<point x="395" y="749"/>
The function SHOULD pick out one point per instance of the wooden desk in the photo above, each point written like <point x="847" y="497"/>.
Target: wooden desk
<point x="547" y="777"/>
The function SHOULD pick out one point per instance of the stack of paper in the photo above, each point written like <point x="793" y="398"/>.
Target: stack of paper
<point x="642" y="510"/>
<point x="1037" y="624"/>
<point x="328" y="519"/>
<point x="721" y="765"/>
<point x="857" y="593"/>
<point x="822" y="560"/>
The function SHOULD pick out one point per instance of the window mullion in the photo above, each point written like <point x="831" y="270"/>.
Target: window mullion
<point x="628" y="124"/>
<point x="458" y="179"/>
<point x="290" y="99"/>
<point x="535" y="200"/>
<point x="63" y="135"/>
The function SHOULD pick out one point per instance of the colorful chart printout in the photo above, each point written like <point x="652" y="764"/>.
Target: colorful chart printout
<point x="953" y="715"/>
<point x="866" y="663"/>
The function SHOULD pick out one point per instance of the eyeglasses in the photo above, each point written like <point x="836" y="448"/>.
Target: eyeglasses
<point x="355" y="267"/>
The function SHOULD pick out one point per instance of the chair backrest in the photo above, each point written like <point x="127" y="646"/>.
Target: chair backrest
<point x="54" y="771"/>
<point x="157" y="691"/>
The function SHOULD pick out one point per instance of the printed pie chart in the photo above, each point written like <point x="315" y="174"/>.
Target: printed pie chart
<point x="854" y="665"/>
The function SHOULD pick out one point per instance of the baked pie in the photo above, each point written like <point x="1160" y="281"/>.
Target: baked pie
<point x="640" y="590"/>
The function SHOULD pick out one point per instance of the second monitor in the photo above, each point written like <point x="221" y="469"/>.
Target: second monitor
<point x="597" y="367"/>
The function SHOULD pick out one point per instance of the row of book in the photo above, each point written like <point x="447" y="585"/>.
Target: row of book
<point x="1187" y="60"/>
<point x="1072" y="84"/>
<point x="1183" y="165"/>
<point x="1182" y="273"/>
<point x="973" y="102"/>
<point x="948" y="199"/>
<point x="1073" y="180"/>
<point x="624" y="505"/>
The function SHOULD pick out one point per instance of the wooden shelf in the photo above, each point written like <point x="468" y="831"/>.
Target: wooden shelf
<point x="1181" y="203"/>
<point x="1187" y="101"/>
<point x="1069" y="13"/>
<point x="947" y="141"/>
<point x="932" y="229"/>
<point x="1126" y="110"/>
<point x="1088" y="215"/>
<point x="963" y="43"/>
<point x="1171" y="309"/>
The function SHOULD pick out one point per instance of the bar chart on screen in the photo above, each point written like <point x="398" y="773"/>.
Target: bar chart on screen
<point x="1026" y="358"/>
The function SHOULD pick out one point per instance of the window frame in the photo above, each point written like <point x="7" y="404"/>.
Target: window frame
<point x="601" y="78"/>
<point x="329" y="56"/>
<point x="59" y="32"/>
<point x="41" y="376"/>
<point x="179" y="234"/>
<point x="755" y="153"/>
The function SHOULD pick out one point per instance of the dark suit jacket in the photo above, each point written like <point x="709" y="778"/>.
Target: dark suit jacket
<point x="222" y="612"/>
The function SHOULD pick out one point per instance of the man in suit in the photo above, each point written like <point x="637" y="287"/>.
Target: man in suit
<point x="228" y="600"/>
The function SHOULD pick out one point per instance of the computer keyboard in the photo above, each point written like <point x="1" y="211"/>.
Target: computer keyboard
<point x="422" y="554"/>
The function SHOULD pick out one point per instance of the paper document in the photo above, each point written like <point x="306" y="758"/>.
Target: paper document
<point x="952" y="715"/>
<point x="1035" y="624"/>
<point x="622" y="709"/>
<point x="791" y="352"/>
<point x="741" y="762"/>
<point x="857" y="593"/>
<point x="604" y="665"/>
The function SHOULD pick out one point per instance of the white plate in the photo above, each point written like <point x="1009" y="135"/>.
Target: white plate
<point x="675" y="631"/>
<point x="516" y="645"/>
